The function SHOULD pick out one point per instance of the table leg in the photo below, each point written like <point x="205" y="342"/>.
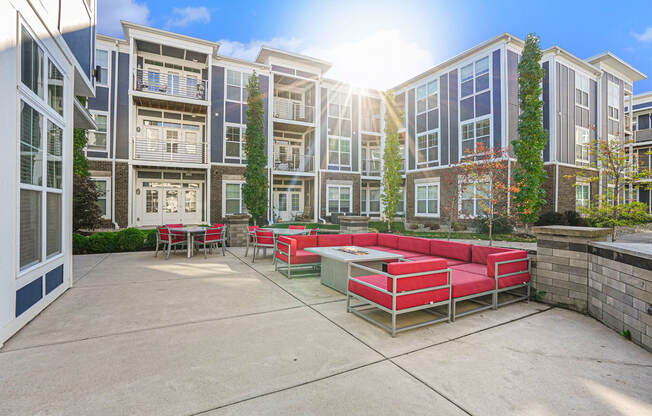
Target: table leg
<point x="189" y="241"/>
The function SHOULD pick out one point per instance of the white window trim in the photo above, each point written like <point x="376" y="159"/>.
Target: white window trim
<point x="475" y="119"/>
<point x="617" y="107"/>
<point x="108" y="67"/>
<point x="108" y="133"/>
<point x="582" y="185"/>
<point x="339" y="201"/>
<point x="588" y="91"/>
<point x="463" y="181"/>
<point x="330" y="93"/>
<point x="107" y="180"/>
<point x="366" y="190"/>
<point x="578" y="161"/>
<point x="243" y="129"/>
<point x="338" y="164"/>
<point x="231" y="182"/>
<point x="416" y="203"/>
<point x="428" y="162"/>
<point x="416" y="96"/>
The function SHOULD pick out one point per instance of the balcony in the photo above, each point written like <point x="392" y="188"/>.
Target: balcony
<point x="170" y="84"/>
<point x="156" y="150"/>
<point x="286" y="109"/>
<point x="293" y="163"/>
<point x="371" y="167"/>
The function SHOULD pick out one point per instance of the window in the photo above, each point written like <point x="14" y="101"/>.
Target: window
<point x="295" y="202"/>
<point x="581" y="90"/>
<point x="474" y="77"/>
<point x="151" y="201"/>
<point x="31" y="63"/>
<point x="55" y="152"/>
<point x="475" y="136"/>
<point x="97" y="138"/>
<point x="53" y="226"/>
<point x="339" y="114"/>
<point x="234" y="142"/>
<point x="474" y="199"/>
<point x="370" y="200"/>
<point x="339" y="151"/>
<point x="31" y="146"/>
<point x="30" y="228"/>
<point x="582" y="146"/>
<point x="582" y="195"/>
<point x="613" y="100"/>
<point x="102" y="60"/>
<point x="428" y="147"/>
<point x="103" y="190"/>
<point x="232" y="196"/>
<point x="339" y="199"/>
<point x="427" y="199"/>
<point x="427" y="96"/>
<point x="400" y="209"/>
<point x="55" y="88"/>
<point x="236" y="86"/>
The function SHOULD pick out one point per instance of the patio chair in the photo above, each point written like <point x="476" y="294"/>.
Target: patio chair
<point x="250" y="237"/>
<point x="165" y="237"/>
<point x="297" y="227"/>
<point x="314" y="231"/>
<point x="263" y="240"/>
<point x="213" y="236"/>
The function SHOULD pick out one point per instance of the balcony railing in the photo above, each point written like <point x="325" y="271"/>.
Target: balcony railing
<point x="293" y="163"/>
<point x="371" y="167"/>
<point x="155" y="150"/>
<point x="170" y="84"/>
<point x="293" y="110"/>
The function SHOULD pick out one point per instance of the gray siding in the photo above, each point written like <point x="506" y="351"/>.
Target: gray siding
<point x="512" y="96"/>
<point x="355" y="132"/>
<point x="497" y="111"/>
<point x="217" y="114"/>
<point x="264" y="86"/>
<point x="101" y="100"/>
<point x="323" y="143"/>
<point x="81" y="42"/>
<point x="454" y="124"/>
<point x="122" y="108"/>
<point x="443" y="107"/>
<point x="114" y="84"/>
<point x="411" y="133"/>
<point x="546" y="109"/>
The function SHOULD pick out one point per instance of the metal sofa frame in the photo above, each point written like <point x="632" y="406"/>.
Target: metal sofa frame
<point x="285" y="268"/>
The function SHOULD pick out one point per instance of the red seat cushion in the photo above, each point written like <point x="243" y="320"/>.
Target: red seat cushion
<point x="419" y="258"/>
<point x="476" y="268"/>
<point x="384" y="299"/>
<point x="519" y="266"/>
<point x="296" y="227"/>
<point x="417" y="282"/>
<point x="405" y="254"/>
<point x="301" y="257"/>
<point x="465" y="283"/>
<point x="365" y="240"/>
<point x="334" y="240"/>
<point x="414" y="244"/>
<point x="514" y="280"/>
<point x="453" y="262"/>
<point x="451" y="249"/>
<point x="388" y="240"/>
<point x="480" y="253"/>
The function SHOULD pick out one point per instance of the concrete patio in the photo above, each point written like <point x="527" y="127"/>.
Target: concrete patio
<point x="139" y="335"/>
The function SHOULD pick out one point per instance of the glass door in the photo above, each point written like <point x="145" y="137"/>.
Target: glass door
<point x="173" y="83"/>
<point x="171" y="205"/>
<point x="151" y="201"/>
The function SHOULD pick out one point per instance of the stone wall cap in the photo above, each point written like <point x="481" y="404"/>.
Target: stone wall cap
<point x="238" y="217"/>
<point x="641" y="250"/>
<point x="566" y="230"/>
<point x="352" y="218"/>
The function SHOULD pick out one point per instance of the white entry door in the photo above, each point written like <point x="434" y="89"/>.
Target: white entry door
<point x="171" y="204"/>
<point x="288" y="204"/>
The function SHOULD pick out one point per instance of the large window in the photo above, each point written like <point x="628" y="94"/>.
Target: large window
<point x="31" y="146"/>
<point x="474" y="199"/>
<point x="339" y="114"/>
<point x="582" y="146"/>
<point x="102" y="185"/>
<point x="234" y="142"/>
<point x="428" y="148"/>
<point x="339" y="198"/>
<point x="102" y="60"/>
<point x="55" y="88"/>
<point x="581" y="90"/>
<point x="475" y="106"/>
<point x="476" y="135"/>
<point x="582" y="195"/>
<point x="613" y="101"/>
<point x="97" y="138"/>
<point x="232" y="197"/>
<point x="236" y="86"/>
<point x="370" y="200"/>
<point x="55" y="153"/>
<point x="339" y="151"/>
<point x="427" y="199"/>
<point x="31" y="63"/>
<point x="427" y="96"/>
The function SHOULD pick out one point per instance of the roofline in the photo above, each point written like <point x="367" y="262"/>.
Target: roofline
<point x="574" y="59"/>
<point x="503" y="36"/>
<point x="322" y="63"/>
<point x="107" y="38"/>
<point x="240" y="61"/>
<point x="643" y="95"/>
<point x="129" y="25"/>
<point x="600" y="56"/>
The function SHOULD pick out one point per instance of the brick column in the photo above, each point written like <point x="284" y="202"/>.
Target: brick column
<point x="237" y="234"/>
<point x="562" y="266"/>
<point x="353" y="224"/>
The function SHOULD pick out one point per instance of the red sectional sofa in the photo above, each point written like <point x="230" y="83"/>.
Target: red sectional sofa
<point x="475" y="271"/>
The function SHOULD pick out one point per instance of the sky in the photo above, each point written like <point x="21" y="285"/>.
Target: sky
<point x="379" y="44"/>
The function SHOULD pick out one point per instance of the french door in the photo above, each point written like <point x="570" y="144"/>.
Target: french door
<point x="171" y="204"/>
<point x="288" y="204"/>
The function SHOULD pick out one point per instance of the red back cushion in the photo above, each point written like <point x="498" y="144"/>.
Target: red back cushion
<point x="365" y="240"/>
<point x="480" y="253"/>
<point x="305" y="241"/>
<point x="291" y="241"/>
<point x="174" y="225"/>
<point x="334" y="240"/>
<point x="264" y="237"/>
<point x="416" y="244"/>
<point x="388" y="240"/>
<point x="417" y="282"/>
<point x="451" y="250"/>
<point x="297" y="227"/>
<point x="518" y="266"/>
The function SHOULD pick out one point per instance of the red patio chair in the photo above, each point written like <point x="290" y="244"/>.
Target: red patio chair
<point x="215" y="235"/>
<point x="297" y="227"/>
<point x="263" y="239"/>
<point x="314" y="231"/>
<point x="250" y="237"/>
<point x="174" y="225"/>
<point x="165" y="237"/>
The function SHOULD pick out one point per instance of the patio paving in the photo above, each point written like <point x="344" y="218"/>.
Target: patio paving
<point x="139" y="335"/>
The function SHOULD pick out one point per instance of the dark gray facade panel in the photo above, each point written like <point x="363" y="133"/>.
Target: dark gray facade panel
<point x="593" y="113"/>
<point x="512" y="97"/>
<point x="323" y="143"/>
<point x="122" y="108"/>
<point x="453" y="132"/>
<point x="217" y="114"/>
<point x="101" y="100"/>
<point x="604" y="128"/>
<point x="81" y="42"/>
<point x="91" y="153"/>
<point x="114" y="83"/>
<point x="497" y="108"/>
<point x="546" y="109"/>
<point x="411" y="133"/>
<point x="232" y="112"/>
<point x="355" y="132"/>
<point x="570" y="144"/>
<point x="443" y="108"/>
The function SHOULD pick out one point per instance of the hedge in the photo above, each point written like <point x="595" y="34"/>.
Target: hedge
<point x="129" y="239"/>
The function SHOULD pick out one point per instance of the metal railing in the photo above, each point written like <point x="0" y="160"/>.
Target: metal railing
<point x="170" y="84"/>
<point x="293" y="163"/>
<point x="371" y="167"/>
<point x="293" y="110"/>
<point x="156" y="150"/>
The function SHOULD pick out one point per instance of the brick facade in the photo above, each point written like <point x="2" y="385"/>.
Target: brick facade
<point x="217" y="176"/>
<point x="340" y="176"/>
<point x="121" y="196"/>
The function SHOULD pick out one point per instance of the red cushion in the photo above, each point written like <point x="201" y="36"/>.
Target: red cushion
<point x="334" y="240"/>
<point x="419" y="258"/>
<point x="405" y="254"/>
<point x="415" y="244"/>
<point x="476" y="268"/>
<point x="264" y="237"/>
<point x="304" y="241"/>
<point x="402" y="302"/>
<point x="284" y="248"/>
<point x="514" y="280"/>
<point x="480" y="253"/>
<point x="301" y="257"/>
<point x="174" y="225"/>
<point x="388" y="240"/>
<point x="218" y="225"/>
<point x="297" y="227"/>
<point x="365" y="240"/>
<point x="417" y="282"/>
<point x="453" y="262"/>
<point x="451" y="249"/>
<point x="465" y="283"/>
<point x="520" y="266"/>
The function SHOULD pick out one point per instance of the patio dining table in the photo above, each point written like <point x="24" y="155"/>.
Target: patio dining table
<point x="283" y="231"/>
<point x="190" y="233"/>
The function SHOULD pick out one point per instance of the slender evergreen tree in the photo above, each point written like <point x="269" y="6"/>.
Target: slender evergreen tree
<point x="391" y="196"/>
<point x="254" y="191"/>
<point x="529" y="174"/>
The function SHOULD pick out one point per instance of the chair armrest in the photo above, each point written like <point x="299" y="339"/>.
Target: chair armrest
<point x="401" y="276"/>
<point x="287" y="245"/>
<point x="507" y="264"/>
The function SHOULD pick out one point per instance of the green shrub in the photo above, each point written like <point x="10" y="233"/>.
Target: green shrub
<point x="501" y="225"/>
<point x="130" y="239"/>
<point x="381" y="226"/>
<point x="634" y="213"/>
<point x="79" y="244"/>
<point x="573" y="218"/>
<point x="150" y="239"/>
<point x="104" y="242"/>
<point x="551" y="218"/>
<point x="459" y="226"/>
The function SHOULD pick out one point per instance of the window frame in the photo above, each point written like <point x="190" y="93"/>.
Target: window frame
<point x="339" y="164"/>
<point x="582" y="185"/>
<point x="475" y="119"/>
<point x="579" y="76"/>
<point x="426" y="85"/>
<point x="428" y="162"/>
<point x="474" y="122"/>
<point x="416" y="199"/>
<point x="611" y="84"/>
<point x="108" y="67"/>
<point x="587" y="144"/>
<point x="107" y="194"/>
<point x="241" y="200"/>
<point x="464" y="182"/>
<point x="366" y="207"/>
<point x="339" y="200"/>
<point x="108" y="127"/>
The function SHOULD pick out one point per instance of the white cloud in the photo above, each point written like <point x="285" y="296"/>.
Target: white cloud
<point x="182" y="17"/>
<point x="249" y="51"/>
<point x="646" y="36"/>
<point x="110" y="12"/>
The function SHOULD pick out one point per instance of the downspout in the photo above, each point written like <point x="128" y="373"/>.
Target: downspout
<point x="321" y="220"/>
<point x="115" y="106"/>
<point x="556" y="185"/>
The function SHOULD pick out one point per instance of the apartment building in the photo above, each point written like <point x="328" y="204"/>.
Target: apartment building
<point x="47" y="62"/>
<point x="641" y="114"/>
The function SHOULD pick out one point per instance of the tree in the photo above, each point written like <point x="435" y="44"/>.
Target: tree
<point x="86" y="212"/>
<point x="392" y="180"/>
<point x="529" y="173"/>
<point x="450" y="184"/>
<point x="254" y="191"/>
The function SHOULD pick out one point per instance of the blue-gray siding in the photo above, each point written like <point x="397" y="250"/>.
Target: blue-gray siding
<point x="81" y="42"/>
<point x="443" y="107"/>
<point x="512" y="96"/>
<point x="496" y="99"/>
<point x="217" y="114"/>
<point x="453" y="139"/>
<point x="122" y="108"/>
<point x="546" y="109"/>
<point x="411" y="131"/>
